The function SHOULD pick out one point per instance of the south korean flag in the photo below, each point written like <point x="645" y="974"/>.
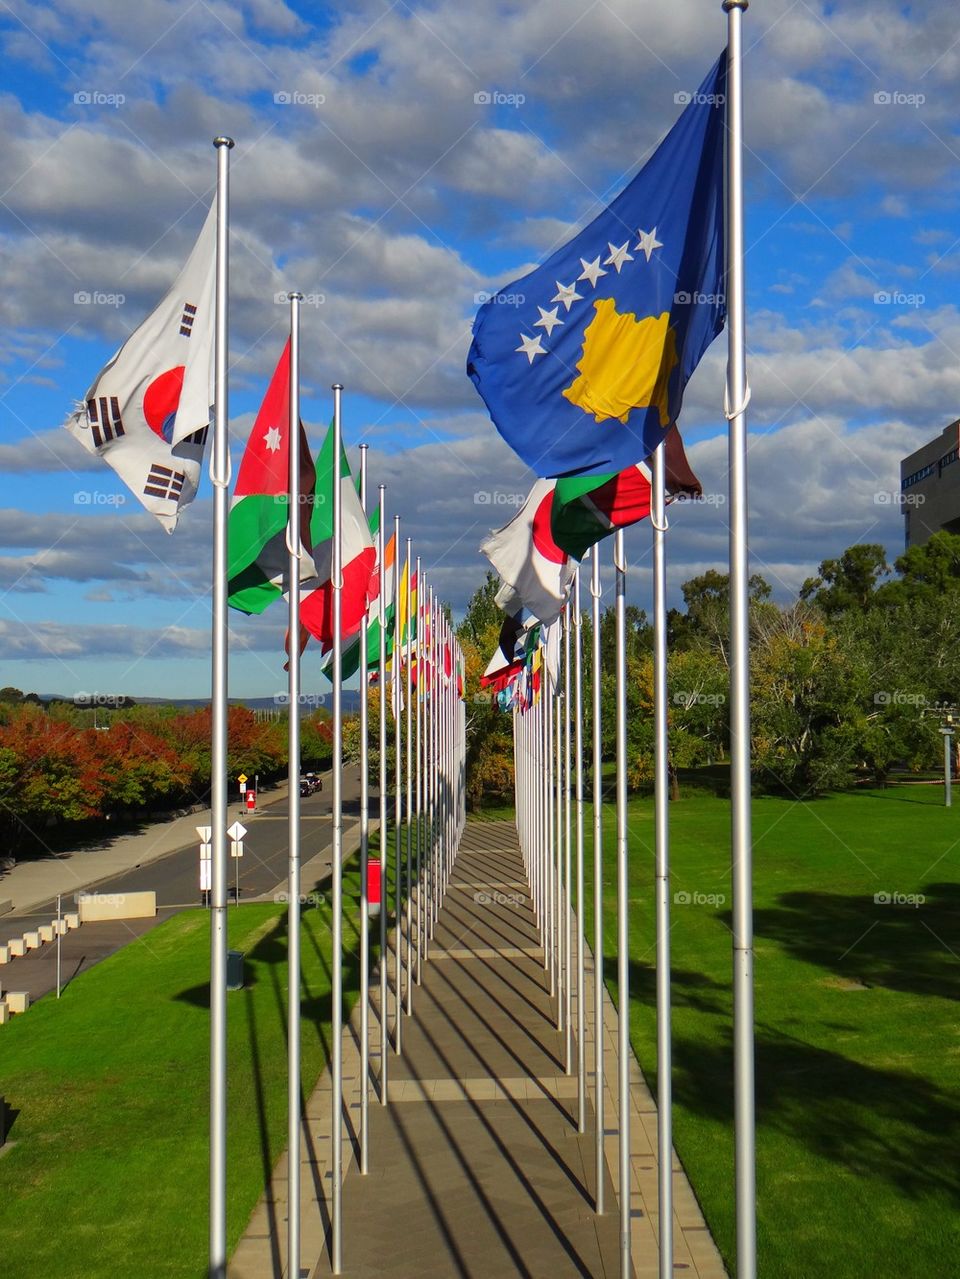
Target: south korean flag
<point x="148" y="413"/>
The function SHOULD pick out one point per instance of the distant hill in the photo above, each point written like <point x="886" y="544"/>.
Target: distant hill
<point x="351" y="701"/>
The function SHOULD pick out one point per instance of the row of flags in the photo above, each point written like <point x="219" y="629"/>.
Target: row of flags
<point x="583" y="362"/>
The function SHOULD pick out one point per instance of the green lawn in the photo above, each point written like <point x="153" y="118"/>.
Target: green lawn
<point x="858" y="1039"/>
<point x="107" y="1173"/>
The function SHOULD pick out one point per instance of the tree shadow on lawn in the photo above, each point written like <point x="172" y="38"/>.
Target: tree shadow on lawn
<point x="872" y="1122"/>
<point x="903" y="947"/>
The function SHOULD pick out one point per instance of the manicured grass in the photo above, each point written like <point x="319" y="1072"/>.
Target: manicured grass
<point x="858" y="1040"/>
<point x="107" y="1173"/>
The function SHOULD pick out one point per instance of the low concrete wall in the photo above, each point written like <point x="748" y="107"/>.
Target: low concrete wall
<point x="5" y="907"/>
<point x="99" y="906"/>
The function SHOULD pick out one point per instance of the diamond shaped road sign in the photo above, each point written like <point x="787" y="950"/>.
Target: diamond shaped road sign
<point x="237" y="831"/>
<point x="242" y="778"/>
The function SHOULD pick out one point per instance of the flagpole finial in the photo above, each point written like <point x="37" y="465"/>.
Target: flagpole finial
<point x="294" y="297"/>
<point x="223" y="141"/>
<point x="735" y="4"/>
<point x="337" y="386"/>
<point x="364" y="447"/>
<point x="382" y="488"/>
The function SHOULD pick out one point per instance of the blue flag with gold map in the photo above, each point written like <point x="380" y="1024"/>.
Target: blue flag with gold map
<point x="583" y="362"/>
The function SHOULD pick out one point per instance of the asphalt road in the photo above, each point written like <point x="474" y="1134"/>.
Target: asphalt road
<point x="175" y="879"/>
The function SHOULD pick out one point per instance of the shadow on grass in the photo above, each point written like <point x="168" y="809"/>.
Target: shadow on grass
<point x="879" y="941"/>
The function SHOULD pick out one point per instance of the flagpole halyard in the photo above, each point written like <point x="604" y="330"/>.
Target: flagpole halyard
<point x="623" y="897"/>
<point x="336" y="1029"/>
<point x="662" y="864"/>
<point x="382" y="672"/>
<point x="220" y="475"/>
<point x="364" y="865"/>
<point x="598" y="987"/>
<point x="741" y="853"/>
<point x="294" y="517"/>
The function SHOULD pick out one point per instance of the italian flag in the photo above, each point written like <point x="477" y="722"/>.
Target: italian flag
<point x="587" y="508"/>
<point x="351" y="653"/>
<point x="358" y="555"/>
<point x="257" y="555"/>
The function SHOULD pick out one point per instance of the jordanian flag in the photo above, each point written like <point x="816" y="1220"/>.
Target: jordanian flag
<point x="358" y="555"/>
<point x="258" y="558"/>
<point x="587" y="508"/>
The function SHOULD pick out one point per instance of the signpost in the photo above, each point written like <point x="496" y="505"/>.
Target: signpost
<point x="242" y="779"/>
<point x="236" y="833"/>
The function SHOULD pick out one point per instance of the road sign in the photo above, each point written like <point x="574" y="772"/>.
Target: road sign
<point x="206" y="875"/>
<point x="237" y="831"/>
<point x="204" y="851"/>
<point x="251" y="801"/>
<point x="243" y="788"/>
<point x="204" y="832"/>
<point x="242" y="778"/>
<point x="236" y="848"/>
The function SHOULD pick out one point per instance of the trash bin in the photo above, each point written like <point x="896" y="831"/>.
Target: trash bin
<point x="234" y="970"/>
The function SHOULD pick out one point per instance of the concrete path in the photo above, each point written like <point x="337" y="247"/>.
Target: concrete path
<point x="476" y="1167"/>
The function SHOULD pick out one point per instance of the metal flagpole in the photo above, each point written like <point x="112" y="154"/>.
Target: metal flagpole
<point x="398" y="794"/>
<point x="737" y="395"/>
<point x="220" y="476"/>
<point x="578" y="757"/>
<point x="567" y="852"/>
<point x="364" y="866"/>
<point x="658" y="524"/>
<point x="409" y="735"/>
<point x="598" y="987"/>
<point x="294" y="517"/>
<point x="558" y="856"/>
<point x="419" y="757"/>
<point x="382" y="671"/>
<point x="336" y="1029"/>
<point x="623" y="894"/>
<point x="551" y="878"/>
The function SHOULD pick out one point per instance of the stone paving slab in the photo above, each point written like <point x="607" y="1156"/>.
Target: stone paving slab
<point x="476" y="1167"/>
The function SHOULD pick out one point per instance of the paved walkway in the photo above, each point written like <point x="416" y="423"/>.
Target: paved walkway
<point x="476" y="1167"/>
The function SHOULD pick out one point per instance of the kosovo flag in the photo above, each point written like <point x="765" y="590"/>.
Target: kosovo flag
<point x="582" y="363"/>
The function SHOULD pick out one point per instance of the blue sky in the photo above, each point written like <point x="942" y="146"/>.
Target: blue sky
<point x="372" y="173"/>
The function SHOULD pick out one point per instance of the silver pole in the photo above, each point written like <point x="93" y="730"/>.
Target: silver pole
<point x="398" y="797"/>
<point x="662" y="867"/>
<point x="294" y="516"/>
<point x="364" y="866"/>
<point x="741" y="854"/>
<point x="382" y="669"/>
<point x="567" y="853"/>
<point x="409" y="735"/>
<point x="220" y="476"/>
<point x="558" y="856"/>
<point x="947" y="779"/>
<point x="598" y="986"/>
<point x="336" y="1029"/>
<point x="578" y="757"/>
<point x="419" y="757"/>
<point x="623" y="897"/>
<point x="59" y="930"/>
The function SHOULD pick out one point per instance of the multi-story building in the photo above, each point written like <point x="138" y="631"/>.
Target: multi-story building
<point x="930" y="487"/>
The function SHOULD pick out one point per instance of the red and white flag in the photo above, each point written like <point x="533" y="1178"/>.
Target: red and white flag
<point x="536" y="573"/>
